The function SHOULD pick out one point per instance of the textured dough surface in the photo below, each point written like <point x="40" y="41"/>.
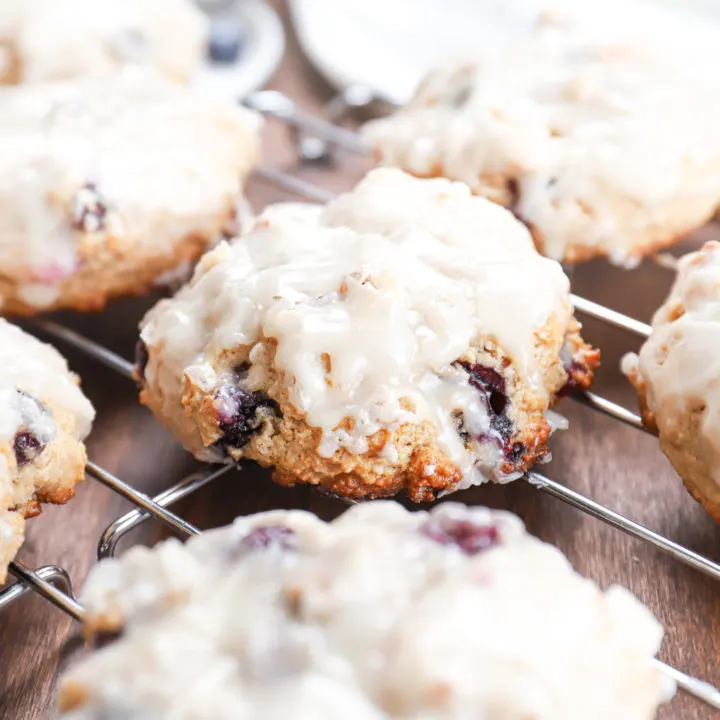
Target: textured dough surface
<point x="406" y="336"/>
<point x="44" y="417"/>
<point x="677" y="375"/>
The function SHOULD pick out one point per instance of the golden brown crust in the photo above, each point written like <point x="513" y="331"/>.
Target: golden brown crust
<point x="32" y="508"/>
<point x="682" y="448"/>
<point x="647" y="415"/>
<point x="585" y="359"/>
<point x="116" y="268"/>
<point x="55" y="472"/>
<point x="359" y="477"/>
<point x="10" y="68"/>
<point x="110" y="622"/>
<point x="51" y="477"/>
<point x="681" y="445"/>
<point x="72" y="697"/>
<point x="650" y="242"/>
<point x="406" y="458"/>
<point x="679" y="221"/>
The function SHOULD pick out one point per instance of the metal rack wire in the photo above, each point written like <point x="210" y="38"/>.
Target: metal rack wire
<point x="53" y="582"/>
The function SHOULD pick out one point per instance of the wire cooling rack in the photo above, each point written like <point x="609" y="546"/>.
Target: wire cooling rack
<point x="315" y="140"/>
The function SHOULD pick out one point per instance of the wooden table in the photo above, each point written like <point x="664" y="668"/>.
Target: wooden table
<point x="616" y="465"/>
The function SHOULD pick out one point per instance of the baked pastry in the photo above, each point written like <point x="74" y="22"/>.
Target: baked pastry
<point x="108" y="185"/>
<point x="602" y="140"/>
<point x="677" y="375"/>
<point x="382" y="613"/>
<point x="49" y="40"/>
<point x="44" y="417"/>
<point x="407" y="336"/>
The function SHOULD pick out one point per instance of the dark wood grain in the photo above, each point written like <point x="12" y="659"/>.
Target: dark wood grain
<point x="615" y="465"/>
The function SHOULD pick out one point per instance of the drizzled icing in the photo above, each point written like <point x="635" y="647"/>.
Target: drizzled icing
<point x="134" y="158"/>
<point x="381" y="614"/>
<point x="63" y="39"/>
<point x="678" y="363"/>
<point x="34" y="382"/>
<point x="601" y="129"/>
<point x="368" y="302"/>
<point x="32" y="372"/>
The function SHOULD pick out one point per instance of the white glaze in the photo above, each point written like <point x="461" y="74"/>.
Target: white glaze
<point x="61" y="39"/>
<point x="35" y="384"/>
<point x="678" y="363"/>
<point x="587" y="112"/>
<point x="166" y="162"/>
<point x="366" y="619"/>
<point x="394" y="282"/>
<point x="33" y="367"/>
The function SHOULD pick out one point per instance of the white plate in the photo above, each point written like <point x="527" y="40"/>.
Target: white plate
<point x="389" y="45"/>
<point x="264" y="45"/>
